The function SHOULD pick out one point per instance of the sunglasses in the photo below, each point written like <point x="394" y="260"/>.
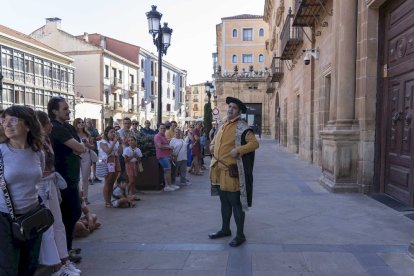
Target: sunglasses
<point x="11" y="120"/>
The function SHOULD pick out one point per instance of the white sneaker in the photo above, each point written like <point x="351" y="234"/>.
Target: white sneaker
<point x="64" y="271"/>
<point x="175" y="187"/>
<point x="185" y="183"/>
<point x="72" y="267"/>
<point x="168" y="188"/>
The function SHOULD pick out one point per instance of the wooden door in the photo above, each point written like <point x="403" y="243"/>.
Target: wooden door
<point x="398" y="100"/>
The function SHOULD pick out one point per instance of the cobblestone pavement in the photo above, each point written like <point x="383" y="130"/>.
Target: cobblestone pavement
<point x="295" y="227"/>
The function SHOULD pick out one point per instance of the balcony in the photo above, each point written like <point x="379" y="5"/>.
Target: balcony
<point x="276" y="70"/>
<point x="133" y="89"/>
<point x="307" y="12"/>
<point x="118" y="106"/>
<point x="132" y="109"/>
<point x="291" y="38"/>
<point x="116" y="84"/>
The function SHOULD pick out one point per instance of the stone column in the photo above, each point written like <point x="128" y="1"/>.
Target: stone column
<point x="346" y="34"/>
<point x="340" y="141"/>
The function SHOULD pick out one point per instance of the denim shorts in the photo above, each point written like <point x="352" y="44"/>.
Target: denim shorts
<point x="165" y="162"/>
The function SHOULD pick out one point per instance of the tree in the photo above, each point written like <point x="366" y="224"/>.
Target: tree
<point x="208" y="116"/>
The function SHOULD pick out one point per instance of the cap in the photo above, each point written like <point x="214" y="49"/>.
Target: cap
<point x="239" y="103"/>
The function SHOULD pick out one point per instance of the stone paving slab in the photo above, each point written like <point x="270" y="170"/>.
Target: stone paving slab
<point x="295" y="227"/>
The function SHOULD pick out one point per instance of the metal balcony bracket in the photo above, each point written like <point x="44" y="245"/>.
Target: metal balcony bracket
<point x="310" y="39"/>
<point x="289" y="65"/>
<point x="323" y="7"/>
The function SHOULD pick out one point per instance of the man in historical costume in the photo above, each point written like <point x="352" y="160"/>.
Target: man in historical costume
<point x="234" y="143"/>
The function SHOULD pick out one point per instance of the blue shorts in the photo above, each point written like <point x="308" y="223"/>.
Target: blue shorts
<point x="165" y="162"/>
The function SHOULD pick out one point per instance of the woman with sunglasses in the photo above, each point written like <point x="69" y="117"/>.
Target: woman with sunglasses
<point x="23" y="164"/>
<point x="86" y="161"/>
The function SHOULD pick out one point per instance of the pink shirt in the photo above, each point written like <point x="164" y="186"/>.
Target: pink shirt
<point x="161" y="139"/>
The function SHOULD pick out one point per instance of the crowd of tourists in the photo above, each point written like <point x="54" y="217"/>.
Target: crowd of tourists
<point x="46" y="160"/>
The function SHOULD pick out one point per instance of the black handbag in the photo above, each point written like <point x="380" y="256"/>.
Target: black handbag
<point x="33" y="223"/>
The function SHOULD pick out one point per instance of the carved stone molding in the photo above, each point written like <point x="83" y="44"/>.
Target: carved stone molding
<point x="375" y="4"/>
<point x="279" y="13"/>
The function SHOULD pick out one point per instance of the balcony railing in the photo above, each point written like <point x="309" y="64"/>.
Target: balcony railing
<point x="116" y="83"/>
<point x="291" y="38"/>
<point x="118" y="106"/>
<point x="276" y="69"/>
<point x="307" y="12"/>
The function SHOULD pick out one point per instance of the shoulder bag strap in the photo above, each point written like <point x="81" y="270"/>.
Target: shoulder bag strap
<point x="220" y="161"/>
<point x="182" y="143"/>
<point x="3" y="185"/>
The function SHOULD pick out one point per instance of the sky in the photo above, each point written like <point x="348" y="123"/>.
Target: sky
<point x="193" y="22"/>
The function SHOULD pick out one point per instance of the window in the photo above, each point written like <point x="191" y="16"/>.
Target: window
<point x="261" y="58"/>
<point x="106" y="71"/>
<point x="152" y="68"/>
<point x="6" y="58"/>
<point x="168" y="92"/>
<point x="29" y="69"/>
<point x="234" y="59"/>
<point x="247" y="34"/>
<point x="247" y="58"/>
<point x="168" y="107"/>
<point x="152" y="106"/>
<point x="18" y="67"/>
<point x="47" y="68"/>
<point x="142" y="64"/>
<point x="168" y="76"/>
<point x="234" y="33"/>
<point x="152" y="88"/>
<point x="29" y="65"/>
<point x="7" y="95"/>
<point x="261" y="32"/>
<point x="39" y="97"/>
<point x="106" y="96"/>
<point x="38" y="69"/>
<point x="114" y="73"/>
<point x="142" y="83"/>
<point x="173" y="93"/>
<point x="29" y="97"/>
<point x="120" y="76"/>
<point x="18" y="95"/>
<point x="70" y="80"/>
<point x="131" y="79"/>
<point x="55" y="76"/>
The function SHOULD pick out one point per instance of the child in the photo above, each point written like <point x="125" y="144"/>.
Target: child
<point x="86" y="224"/>
<point x="121" y="200"/>
<point x="132" y="156"/>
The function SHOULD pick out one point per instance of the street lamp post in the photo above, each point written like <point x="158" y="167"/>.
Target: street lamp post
<point x="162" y="39"/>
<point x="145" y="103"/>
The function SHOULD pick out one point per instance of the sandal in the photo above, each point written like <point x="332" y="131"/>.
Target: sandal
<point x="108" y="205"/>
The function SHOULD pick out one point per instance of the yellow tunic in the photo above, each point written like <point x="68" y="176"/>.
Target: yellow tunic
<point x="223" y="143"/>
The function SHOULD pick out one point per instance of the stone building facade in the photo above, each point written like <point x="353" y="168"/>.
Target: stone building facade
<point x="32" y="72"/>
<point x="349" y="109"/>
<point x="241" y="67"/>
